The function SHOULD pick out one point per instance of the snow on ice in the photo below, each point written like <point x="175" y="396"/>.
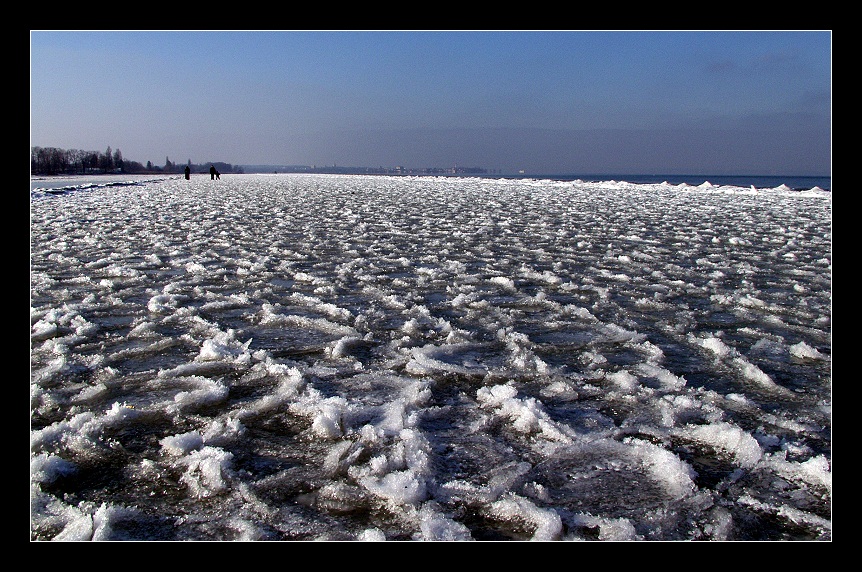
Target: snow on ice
<point x="346" y="357"/>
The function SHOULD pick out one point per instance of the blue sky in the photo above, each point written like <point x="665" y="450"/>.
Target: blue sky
<point x="552" y="102"/>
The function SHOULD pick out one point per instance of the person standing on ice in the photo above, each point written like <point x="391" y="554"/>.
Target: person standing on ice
<point x="188" y="172"/>
<point x="213" y="172"/>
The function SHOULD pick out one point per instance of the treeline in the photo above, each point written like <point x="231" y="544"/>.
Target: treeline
<point x="54" y="161"/>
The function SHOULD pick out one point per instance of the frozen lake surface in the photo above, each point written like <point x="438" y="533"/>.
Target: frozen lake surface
<point x="325" y="357"/>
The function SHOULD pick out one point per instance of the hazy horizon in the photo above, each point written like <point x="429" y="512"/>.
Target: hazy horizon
<point x="724" y="103"/>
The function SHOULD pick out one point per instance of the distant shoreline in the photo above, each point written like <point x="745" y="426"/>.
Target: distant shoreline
<point x="795" y="182"/>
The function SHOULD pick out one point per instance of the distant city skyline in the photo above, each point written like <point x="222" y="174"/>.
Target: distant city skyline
<point x="755" y="102"/>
